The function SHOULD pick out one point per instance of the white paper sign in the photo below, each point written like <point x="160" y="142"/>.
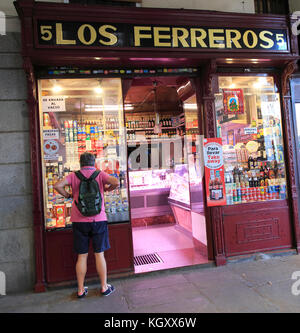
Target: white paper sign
<point x="51" y="157"/>
<point x="250" y="130"/>
<point x="270" y="109"/>
<point x="53" y="103"/>
<point x="213" y="155"/>
<point x="51" y="134"/>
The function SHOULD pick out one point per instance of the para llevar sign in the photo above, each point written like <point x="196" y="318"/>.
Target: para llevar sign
<point x="123" y="35"/>
<point x="214" y="172"/>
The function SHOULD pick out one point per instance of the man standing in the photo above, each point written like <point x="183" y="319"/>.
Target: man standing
<point x="86" y="227"/>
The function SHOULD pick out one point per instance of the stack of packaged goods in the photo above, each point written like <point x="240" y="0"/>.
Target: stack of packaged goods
<point x="260" y="182"/>
<point x="80" y="137"/>
<point x="116" y="201"/>
<point x="58" y="207"/>
<point x="90" y="137"/>
<point x="71" y="141"/>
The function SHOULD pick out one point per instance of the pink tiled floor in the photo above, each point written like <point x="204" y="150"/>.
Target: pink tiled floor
<point x="174" y="247"/>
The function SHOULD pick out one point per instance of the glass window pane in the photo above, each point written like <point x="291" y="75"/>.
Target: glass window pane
<point x="79" y="115"/>
<point x="249" y="123"/>
<point x="298" y="123"/>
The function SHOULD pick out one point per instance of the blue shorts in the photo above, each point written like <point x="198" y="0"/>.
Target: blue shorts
<point x="97" y="231"/>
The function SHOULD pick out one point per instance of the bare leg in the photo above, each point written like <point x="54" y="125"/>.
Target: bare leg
<point x="81" y="268"/>
<point x="101" y="270"/>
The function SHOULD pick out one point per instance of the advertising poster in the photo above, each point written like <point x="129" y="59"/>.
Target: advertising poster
<point x="233" y="101"/>
<point x="214" y="172"/>
<point x="51" y="148"/>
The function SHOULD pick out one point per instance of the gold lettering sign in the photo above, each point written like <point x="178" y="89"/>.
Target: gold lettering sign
<point x="121" y="35"/>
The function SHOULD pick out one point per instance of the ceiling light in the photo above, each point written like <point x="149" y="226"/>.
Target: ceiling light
<point x="98" y="90"/>
<point x="57" y="88"/>
<point x="188" y="106"/>
<point x="257" y="85"/>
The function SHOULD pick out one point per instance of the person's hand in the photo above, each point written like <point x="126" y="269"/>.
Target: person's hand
<point x="106" y="187"/>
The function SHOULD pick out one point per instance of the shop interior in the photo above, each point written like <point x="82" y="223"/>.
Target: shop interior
<point x="147" y="135"/>
<point x="165" y="175"/>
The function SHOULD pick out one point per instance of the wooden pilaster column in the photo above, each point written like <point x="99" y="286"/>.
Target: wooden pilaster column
<point x="289" y="69"/>
<point x="215" y="214"/>
<point x="35" y="159"/>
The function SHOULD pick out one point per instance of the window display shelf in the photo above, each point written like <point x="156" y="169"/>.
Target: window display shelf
<point x="253" y="148"/>
<point x="73" y="130"/>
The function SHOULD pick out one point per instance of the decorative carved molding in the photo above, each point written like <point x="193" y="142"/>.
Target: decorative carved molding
<point x="288" y="70"/>
<point x="207" y="75"/>
<point x="216" y="213"/>
<point x="218" y="233"/>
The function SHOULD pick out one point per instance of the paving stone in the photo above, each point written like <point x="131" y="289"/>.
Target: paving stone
<point x="280" y="293"/>
<point x="271" y="270"/>
<point x="161" y="295"/>
<point x="210" y="290"/>
<point x="196" y="305"/>
<point x="156" y="281"/>
<point x="229" y="292"/>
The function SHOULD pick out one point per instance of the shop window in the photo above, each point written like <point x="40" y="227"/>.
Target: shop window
<point x="271" y="7"/>
<point x="76" y="116"/>
<point x="249" y="123"/>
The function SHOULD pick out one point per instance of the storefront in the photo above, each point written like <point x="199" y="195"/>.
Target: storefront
<point x="143" y="89"/>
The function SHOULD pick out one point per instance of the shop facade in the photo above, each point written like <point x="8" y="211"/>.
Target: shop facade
<point x="233" y="70"/>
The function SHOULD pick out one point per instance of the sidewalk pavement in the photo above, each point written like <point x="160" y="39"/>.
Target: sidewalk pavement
<point x="260" y="284"/>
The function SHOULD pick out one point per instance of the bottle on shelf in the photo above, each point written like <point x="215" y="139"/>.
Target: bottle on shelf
<point x="250" y="162"/>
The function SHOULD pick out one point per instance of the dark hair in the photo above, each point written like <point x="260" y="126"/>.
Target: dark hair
<point x="87" y="159"/>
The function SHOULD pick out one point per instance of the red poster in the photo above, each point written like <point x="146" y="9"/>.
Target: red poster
<point x="214" y="172"/>
<point x="233" y="101"/>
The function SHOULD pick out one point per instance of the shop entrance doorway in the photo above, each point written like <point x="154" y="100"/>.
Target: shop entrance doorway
<point x="165" y="173"/>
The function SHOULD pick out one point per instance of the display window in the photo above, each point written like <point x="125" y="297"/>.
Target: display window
<point x="76" y="116"/>
<point x="249" y="123"/>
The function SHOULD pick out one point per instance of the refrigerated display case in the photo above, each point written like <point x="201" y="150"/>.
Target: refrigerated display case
<point x="180" y="191"/>
<point x="82" y="115"/>
<point x="186" y="193"/>
<point x="150" y="179"/>
<point x="149" y="191"/>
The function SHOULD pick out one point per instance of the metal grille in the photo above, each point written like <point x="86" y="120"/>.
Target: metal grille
<point x="147" y="259"/>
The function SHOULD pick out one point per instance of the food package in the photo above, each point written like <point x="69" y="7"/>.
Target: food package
<point x="59" y="211"/>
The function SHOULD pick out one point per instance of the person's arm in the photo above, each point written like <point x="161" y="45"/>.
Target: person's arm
<point x="60" y="188"/>
<point x="111" y="183"/>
